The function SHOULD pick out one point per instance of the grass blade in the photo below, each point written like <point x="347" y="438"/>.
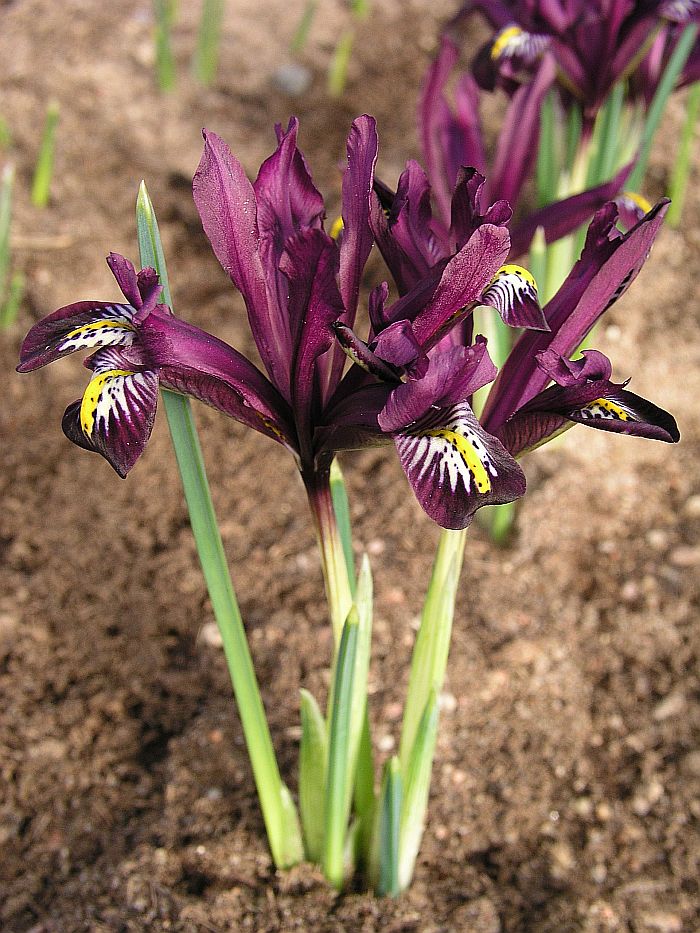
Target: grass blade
<point x="206" y="56"/>
<point x="341" y="507"/>
<point x="302" y="32"/>
<point x="164" y="13"/>
<point x="386" y="841"/>
<point x="43" y="173"/>
<point x="338" y="68"/>
<point x="681" y="169"/>
<point x="416" y="790"/>
<point x="313" y="755"/>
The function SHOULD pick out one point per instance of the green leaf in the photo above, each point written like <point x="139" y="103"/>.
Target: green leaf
<point x="432" y="645"/>
<point x="675" y="65"/>
<point x="338" y="68"/>
<point x="547" y="153"/>
<point x="313" y="754"/>
<point x="41" y="186"/>
<point x="386" y="841"/>
<point x="681" y="169"/>
<point x="341" y="507"/>
<point x="206" y="57"/>
<point x="339" y="773"/>
<point x="279" y="812"/>
<point x="416" y="783"/>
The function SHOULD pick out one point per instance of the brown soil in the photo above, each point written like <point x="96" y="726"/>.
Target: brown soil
<point x="567" y="783"/>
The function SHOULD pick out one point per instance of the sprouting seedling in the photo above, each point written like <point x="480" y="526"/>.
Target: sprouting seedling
<point x="206" y="56"/>
<point x="11" y="284"/>
<point x="43" y="173"/>
<point x="302" y="31"/>
<point x="338" y="68"/>
<point x="164" y="13"/>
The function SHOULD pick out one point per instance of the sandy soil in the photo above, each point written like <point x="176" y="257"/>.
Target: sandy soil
<point x="567" y="782"/>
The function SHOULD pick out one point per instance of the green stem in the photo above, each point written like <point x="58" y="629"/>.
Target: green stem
<point x="276" y="803"/>
<point x="681" y="170"/>
<point x="675" y="65"/>
<point x="206" y="56"/>
<point x="333" y="560"/>
<point x="41" y="186"/>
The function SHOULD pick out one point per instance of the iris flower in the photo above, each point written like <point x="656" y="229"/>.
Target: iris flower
<point x="541" y="391"/>
<point x="594" y="44"/>
<point x="301" y="289"/>
<point x="452" y="136"/>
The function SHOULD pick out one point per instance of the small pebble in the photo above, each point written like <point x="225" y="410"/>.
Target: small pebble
<point x="691" y="507"/>
<point x="447" y="702"/>
<point x="210" y="635"/>
<point x="386" y="743"/>
<point x="292" y="78"/>
<point x="685" y="556"/>
<point x="657" y="539"/>
<point x="671" y="706"/>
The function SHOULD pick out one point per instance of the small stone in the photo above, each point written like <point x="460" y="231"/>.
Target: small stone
<point x="447" y="702"/>
<point x="657" y="539"/>
<point x="603" y="811"/>
<point x="292" y="78"/>
<point x="210" y="635"/>
<point x="376" y="547"/>
<point x="663" y="922"/>
<point x="214" y="793"/>
<point x="392" y="711"/>
<point x="562" y="860"/>
<point x="629" y="592"/>
<point x="583" y="807"/>
<point x="685" y="556"/>
<point x="477" y="916"/>
<point x="385" y="743"/>
<point x="599" y="873"/>
<point x="691" y="507"/>
<point x="670" y="707"/>
<point x="691" y="763"/>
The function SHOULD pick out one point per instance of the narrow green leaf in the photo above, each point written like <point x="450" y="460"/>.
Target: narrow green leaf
<point x="361" y="758"/>
<point x="341" y="507"/>
<point x="547" y="153"/>
<point x="416" y="785"/>
<point x="573" y="133"/>
<point x="681" y="169"/>
<point x="7" y="182"/>
<point x="164" y="13"/>
<point x="279" y="812"/>
<point x="302" y="31"/>
<point x="338" y="68"/>
<point x="388" y="830"/>
<point x="10" y="309"/>
<point x="537" y="260"/>
<point x="43" y="173"/>
<point x="313" y="754"/>
<point x="206" y="57"/>
<point x="668" y="81"/>
<point x="339" y="773"/>
<point x="609" y="143"/>
<point x="432" y="646"/>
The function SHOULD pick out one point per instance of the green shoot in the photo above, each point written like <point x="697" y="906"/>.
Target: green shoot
<point x="41" y="186"/>
<point x="206" y="57"/>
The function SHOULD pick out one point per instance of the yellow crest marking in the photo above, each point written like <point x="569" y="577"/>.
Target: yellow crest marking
<point x="336" y="227"/>
<point x="468" y="455"/>
<point x="504" y="39"/>
<point x="519" y="271"/>
<point x="639" y="200"/>
<point x="99" y="325"/>
<point x="91" y="397"/>
<point x="614" y="409"/>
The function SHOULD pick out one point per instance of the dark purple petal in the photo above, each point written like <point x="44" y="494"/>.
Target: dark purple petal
<point x="397" y="345"/>
<point x="563" y="217"/>
<point x="609" y="263"/>
<point x="125" y="274"/>
<point x="80" y="326"/>
<point x="358" y="352"/>
<point x="352" y="424"/>
<point x="375" y="303"/>
<point x="226" y="203"/>
<point x="452" y="377"/>
<point x="466" y="212"/>
<point x="513" y="293"/>
<point x="356" y="242"/>
<point x="184" y="353"/>
<point x="310" y="265"/>
<point x="591" y="367"/>
<point x="455" y="467"/>
<point x="462" y="282"/>
<point x="516" y="150"/>
<point x="449" y="140"/>
<point x="115" y="416"/>
<point x="598" y="403"/>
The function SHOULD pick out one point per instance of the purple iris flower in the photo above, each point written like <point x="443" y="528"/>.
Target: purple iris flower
<point x="452" y="137"/>
<point x="594" y="44"/>
<point x="301" y="289"/>
<point x="540" y="391"/>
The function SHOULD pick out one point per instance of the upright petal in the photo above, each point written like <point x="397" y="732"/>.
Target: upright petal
<point x="115" y="416"/>
<point x="310" y="265"/>
<point x="226" y="203"/>
<point x="356" y="243"/>
<point x="516" y="150"/>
